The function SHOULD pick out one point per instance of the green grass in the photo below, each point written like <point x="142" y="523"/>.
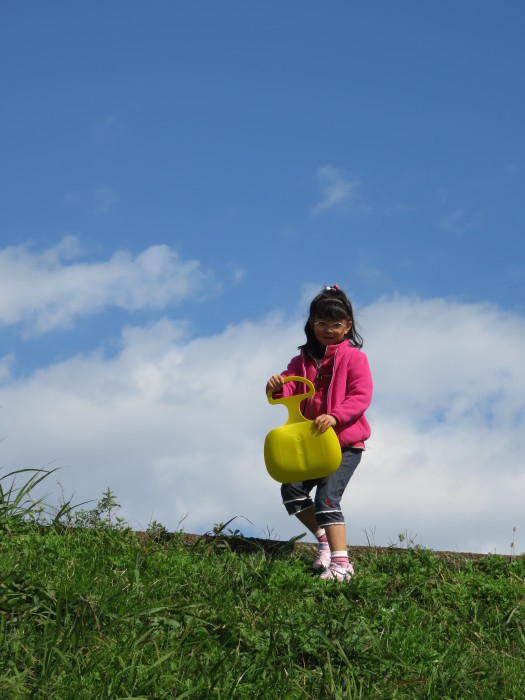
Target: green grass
<point x="97" y="612"/>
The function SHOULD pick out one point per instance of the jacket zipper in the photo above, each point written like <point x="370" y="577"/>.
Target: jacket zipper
<point x="318" y="364"/>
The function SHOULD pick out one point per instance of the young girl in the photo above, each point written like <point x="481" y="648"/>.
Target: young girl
<point x="332" y="359"/>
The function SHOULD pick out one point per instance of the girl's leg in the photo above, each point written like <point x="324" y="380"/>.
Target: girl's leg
<point x="297" y="501"/>
<point x="308" y="519"/>
<point x="329" y="515"/>
<point x="323" y="557"/>
<point x="330" y="490"/>
<point x="336" y="536"/>
<point x="339" y="567"/>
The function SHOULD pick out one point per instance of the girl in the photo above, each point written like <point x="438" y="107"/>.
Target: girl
<point x="332" y="359"/>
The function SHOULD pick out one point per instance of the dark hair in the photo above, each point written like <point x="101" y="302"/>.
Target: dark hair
<point x="332" y="302"/>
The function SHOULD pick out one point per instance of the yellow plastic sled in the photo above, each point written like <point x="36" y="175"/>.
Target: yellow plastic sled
<point x="297" y="451"/>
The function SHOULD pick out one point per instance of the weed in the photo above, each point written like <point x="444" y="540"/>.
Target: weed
<point x="512" y="550"/>
<point x="18" y="507"/>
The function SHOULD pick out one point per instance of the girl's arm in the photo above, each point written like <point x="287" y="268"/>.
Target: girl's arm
<point x="358" y="391"/>
<point x="288" y="389"/>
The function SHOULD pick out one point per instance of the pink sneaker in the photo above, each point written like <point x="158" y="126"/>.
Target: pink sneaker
<point x="337" y="573"/>
<point x="323" y="558"/>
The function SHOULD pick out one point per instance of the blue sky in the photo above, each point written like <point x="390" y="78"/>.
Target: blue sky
<point x="185" y="170"/>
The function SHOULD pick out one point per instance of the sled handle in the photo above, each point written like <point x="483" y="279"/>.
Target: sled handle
<point x="293" y="402"/>
<point x="285" y="399"/>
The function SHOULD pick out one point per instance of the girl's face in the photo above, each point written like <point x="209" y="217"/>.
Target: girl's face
<point x="330" y="331"/>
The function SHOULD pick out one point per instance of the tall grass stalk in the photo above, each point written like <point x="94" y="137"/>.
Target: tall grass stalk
<point x="17" y="505"/>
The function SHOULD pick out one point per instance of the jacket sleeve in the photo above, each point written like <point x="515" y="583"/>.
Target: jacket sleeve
<point x="358" y="391"/>
<point x="295" y="368"/>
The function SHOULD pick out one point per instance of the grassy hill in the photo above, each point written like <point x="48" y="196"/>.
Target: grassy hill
<point x="92" y="610"/>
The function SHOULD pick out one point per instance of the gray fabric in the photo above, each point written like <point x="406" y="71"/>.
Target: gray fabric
<point x="329" y="491"/>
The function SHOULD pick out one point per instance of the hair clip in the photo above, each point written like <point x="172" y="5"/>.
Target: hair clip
<point x="335" y="288"/>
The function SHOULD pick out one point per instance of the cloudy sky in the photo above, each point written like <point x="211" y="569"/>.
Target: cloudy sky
<point x="177" y="180"/>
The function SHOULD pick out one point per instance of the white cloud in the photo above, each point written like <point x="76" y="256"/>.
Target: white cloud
<point x="48" y="290"/>
<point x="6" y="363"/>
<point x="238" y="274"/>
<point x="104" y="200"/>
<point x="336" y="191"/>
<point x="175" y="427"/>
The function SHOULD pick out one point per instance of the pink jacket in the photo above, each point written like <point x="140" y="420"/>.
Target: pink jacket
<point x="349" y="394"/>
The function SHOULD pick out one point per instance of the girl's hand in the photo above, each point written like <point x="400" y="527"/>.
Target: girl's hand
<point x="324" y="421"/>
<point x="276" y="382"/>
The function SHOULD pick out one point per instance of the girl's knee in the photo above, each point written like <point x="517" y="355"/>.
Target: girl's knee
<point x="327" y="518"/>
<point x="288" y="491"/>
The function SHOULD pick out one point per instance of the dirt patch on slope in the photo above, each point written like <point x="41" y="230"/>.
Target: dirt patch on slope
<point x="278" y="547"/>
